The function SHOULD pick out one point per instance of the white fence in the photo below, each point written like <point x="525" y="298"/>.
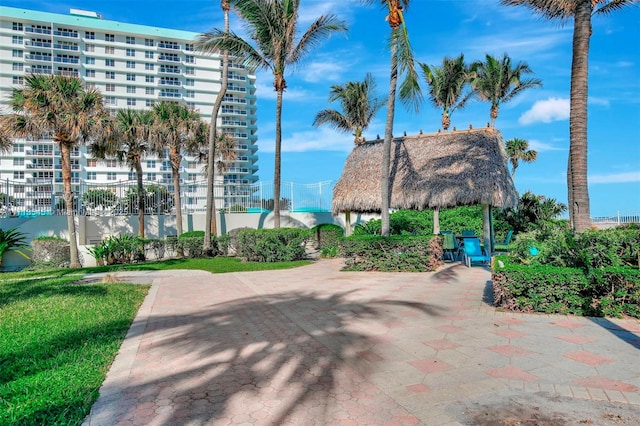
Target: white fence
<point x="616" y="220"/>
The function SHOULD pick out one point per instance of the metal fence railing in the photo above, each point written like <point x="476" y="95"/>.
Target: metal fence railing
<point x="617" y="219"/>
<point x="42" y="197"/>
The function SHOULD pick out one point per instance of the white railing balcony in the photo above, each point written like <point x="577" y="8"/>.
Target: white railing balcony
<point x="168" y="70"/>
<point x="71" y="34"/>
<point x="170" y="95"/>
<point x="39" y="70"/>
<point x="43" y="58"/>
<point x="169" y="58"/>
<point x="66" y="47"/>
<point x="43" y="44"/>
<point x="37" y="30"/>
<point x="67" y="73"/>
<point x="234" y="88"/>
<point x="170" y="46"/>
<point x="164" y="82"/>
<point x="67" y="60"/>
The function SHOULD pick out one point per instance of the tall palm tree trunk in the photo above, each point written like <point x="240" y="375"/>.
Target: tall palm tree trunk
<point x="65" y="159"/>
<point x="278" y="162"/>
<point x="211" y="227"/>
<point x="140" y="199"/>
<point x="176" y="159"/>
<point x="386" y="147"/>
<point x="577" y="182"/>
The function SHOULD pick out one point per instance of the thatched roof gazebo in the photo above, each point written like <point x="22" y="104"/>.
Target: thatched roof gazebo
<point x="432" y="171"/>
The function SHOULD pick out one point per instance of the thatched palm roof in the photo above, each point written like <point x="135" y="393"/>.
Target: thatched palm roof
<point x="429" y="171"/>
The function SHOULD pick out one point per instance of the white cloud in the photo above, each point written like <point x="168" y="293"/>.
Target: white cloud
<point x="552" y="109"/>
<point x="321" y="139"/>
<point x="626" y="177"/>
<point x="322" y="71"/>
<point x="593" y="100"/>
<point x="543" y="146"/>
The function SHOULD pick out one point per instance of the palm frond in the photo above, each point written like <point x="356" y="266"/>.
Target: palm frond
<point x="613" y="6"/>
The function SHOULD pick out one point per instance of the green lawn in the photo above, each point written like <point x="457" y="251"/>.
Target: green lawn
<point x="58" y="339"/>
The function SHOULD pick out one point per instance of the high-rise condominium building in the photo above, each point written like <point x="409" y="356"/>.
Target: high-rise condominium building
<point x="133" y="66"/>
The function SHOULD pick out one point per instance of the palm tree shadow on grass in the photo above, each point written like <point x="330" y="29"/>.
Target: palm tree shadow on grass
<point x="298" y="349"/>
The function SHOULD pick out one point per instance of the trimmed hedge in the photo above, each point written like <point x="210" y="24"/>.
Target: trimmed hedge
<point x="391" y="254"/>
<point x="273" y="245"/>
<point x="327" y="235"/>
<point x="611" y="291"/>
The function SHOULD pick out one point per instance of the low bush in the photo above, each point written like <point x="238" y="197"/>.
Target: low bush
<point x="49" y="251"/>
<point x="191" y="234"/>
<point x="193" y="247"/>
<point x="228" y="243"/>
<point x="327" y="235"/>
<point x="273" y="245"/>
<point x="395" y="253"/>
<point x="615" y="292"/>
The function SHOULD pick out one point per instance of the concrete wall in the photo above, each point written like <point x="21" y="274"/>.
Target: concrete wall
<point x="93" y="229"/>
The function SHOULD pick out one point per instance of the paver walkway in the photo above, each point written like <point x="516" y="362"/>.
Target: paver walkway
<point x="315" y="345"/>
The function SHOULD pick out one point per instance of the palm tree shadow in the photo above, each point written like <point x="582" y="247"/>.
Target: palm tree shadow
<point x="297" y="348"/>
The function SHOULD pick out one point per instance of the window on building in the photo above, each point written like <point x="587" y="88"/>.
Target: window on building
<point x="131" y="89"/>
<point x="18" y="175"/>
<point x="18" y="147"/>
<point x="190" y="59"/>
<point x="130" y="40"/>
<point x="149" y="79"/>
<point x="189" y="47"/>
<point x="190" y="94"/>
<point x="131" y="52"/>
<point x="148" y="42"/>
<point x="110" y="87"/>
<point x="131" y="102"/>
<point x="151" y="176"/>
<point x="17" y="26"/>
<point x="192" y="176"/>
<point x="148" y="67"/>
<point x="131" y="77"/>
<point x="151" y="164"/>
<point x="148" y="54"/>
<point x="110" y="100"/>
<point x="90" y="73"/>
<point x="17" y="40"/>
<point x="189" y="82"/>
<point x="17" y="67"/>
<point x="110" y="75"/>
<point x="18" y="161"/>
<point x="90" y="61"/>
<point x="131" y="64"/>
<point x="109" y="37"/>
<point x="111" y="176"/>
<point x="190" y="71"/>
<point x="109" y="50"/>
<point x="92" y="162"/>
<point x="92" y="175"/>
<point x="90" y="35"/>
<point x="149" y="103"/>
<point x="109" y="62"/>
<point x="18" y="79"/>
<point x="17" y="53"/>
<point x="90" y="47"/>
<point x="110" y="163"/>
<point x="191" y="105"/>
<point x="149" y="91"/>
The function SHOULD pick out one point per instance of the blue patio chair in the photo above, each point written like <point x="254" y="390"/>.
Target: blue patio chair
<point x="502" y="245"/>
<point x="468" y="233"/>
<point x="451" y="246"/>
<point x="473" y="252"/>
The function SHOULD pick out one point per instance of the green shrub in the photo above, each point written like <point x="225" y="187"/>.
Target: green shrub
<point x="50" y="252"/>
<point x="329" y="251"/>
<point x="193" y="247"/>
<point x="536" y="288"/>
<point x="158" y="247"/>
<point x="327" y="234"/>
<point x="273" y="245"/>
<point x="394" y="253"/>
<point x="615" y="292"/>
<point x="371" y="227"/>
<point x="609" y="247"/>
<point x="228" y="243"/>
<point x="12" y="240"/>
<point x="192" y="234"/>
<point x="124" y="249"/>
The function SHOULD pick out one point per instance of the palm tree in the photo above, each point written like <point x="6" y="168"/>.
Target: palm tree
<point x="6" y="143"/>
<point x="518" y="149"/>
<point x="402" y="63"/>
<point x="581" y="12"/>
<point x="179" y="130"/>
<point x="210" y="215"/>
<point x="70" y="113"/>
<point x="446" y="84"/>
<point x="272" y="27"/>
<point x="359" y="106"/>
<point x="129" y="143"/>
<point x="496" y="81"/>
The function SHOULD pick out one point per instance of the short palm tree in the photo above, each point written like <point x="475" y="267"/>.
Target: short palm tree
<point x="178" y="130"/>
<point x="402" y="64"/>
<point x="518" y="150"/>
<point x="581" y="11"/>
<point x="359" y="106"/>
<point x="497" y="81"/>
<point x="446" y="85"/>
<point x="272" y="44"/>
<point x="70" y="113"/>
<point x="129" y="143"/>
<point x="6" y="143"/>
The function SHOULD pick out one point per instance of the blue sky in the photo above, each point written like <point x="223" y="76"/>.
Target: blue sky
<point x="441" y="28"/>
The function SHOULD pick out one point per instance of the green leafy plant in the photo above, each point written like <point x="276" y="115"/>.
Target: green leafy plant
<point x="192" y="234"/>
<point x="13" y="240"/>
<point x="273" y="245"/>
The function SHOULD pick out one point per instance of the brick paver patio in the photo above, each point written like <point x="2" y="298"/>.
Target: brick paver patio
<point x="315" y="345"/>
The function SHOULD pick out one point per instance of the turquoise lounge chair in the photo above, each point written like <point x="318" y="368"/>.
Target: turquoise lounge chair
<point x="468" y="233"/>
<point x="450" y="247"/>
<point x="473" y="252"/>
<point x="502" y="245"/>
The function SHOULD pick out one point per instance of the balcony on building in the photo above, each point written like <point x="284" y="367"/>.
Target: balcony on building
<point x="34" y="70"/>
<point x="170" y="82"/>
<point x="37" y="57"/>
<point x="66" y="60"/>
<point x="168" y="57"/>
<point x="169" y="70"/>
<point x="168" y="94"/>
<point x="38" y="44"/>
<point x="65" y="33"/>
<point x="67" y="47"/>
<point x="168" y="45"/>
<point x="37" y="30"/>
